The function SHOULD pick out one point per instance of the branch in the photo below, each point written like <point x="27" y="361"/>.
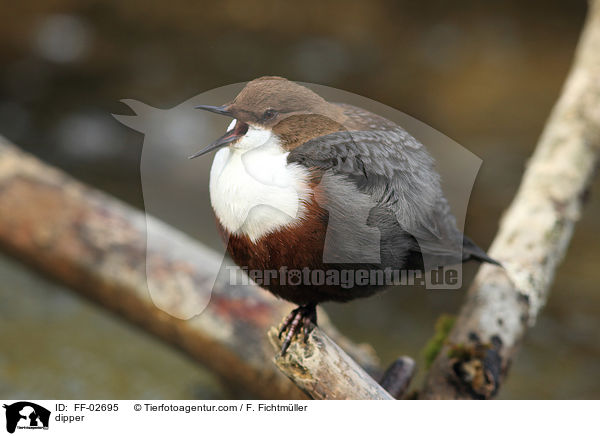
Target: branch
<point x="97" y="246"/>
<point x="533" y="238"/>
<point x="398" y="376"/>
<point x="324" y="371"/>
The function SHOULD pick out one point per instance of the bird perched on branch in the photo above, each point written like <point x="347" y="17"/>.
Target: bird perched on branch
<point x="317" y="200"/>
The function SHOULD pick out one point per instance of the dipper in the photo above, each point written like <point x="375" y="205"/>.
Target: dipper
<point x="303" y="185"/>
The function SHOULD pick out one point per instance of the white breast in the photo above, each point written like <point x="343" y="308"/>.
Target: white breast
<point x="253" y="190"/>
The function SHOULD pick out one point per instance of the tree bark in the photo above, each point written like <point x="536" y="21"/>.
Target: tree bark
<point x="533" y="237"/>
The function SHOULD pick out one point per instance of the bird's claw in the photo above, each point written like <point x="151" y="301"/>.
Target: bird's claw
<point x="305" y="315"/>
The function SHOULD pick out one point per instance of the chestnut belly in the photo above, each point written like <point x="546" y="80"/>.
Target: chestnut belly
<point x="289" y="264"/>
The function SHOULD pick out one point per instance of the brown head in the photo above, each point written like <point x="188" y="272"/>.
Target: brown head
<point x="292" y="112"/>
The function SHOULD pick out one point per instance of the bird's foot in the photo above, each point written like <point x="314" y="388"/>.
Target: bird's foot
<point x="301" y="319"/>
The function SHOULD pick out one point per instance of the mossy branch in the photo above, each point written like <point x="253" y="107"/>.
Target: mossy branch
<point x="533" y="237"/>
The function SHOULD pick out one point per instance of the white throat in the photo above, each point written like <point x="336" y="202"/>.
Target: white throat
<point x="253" y="190"/>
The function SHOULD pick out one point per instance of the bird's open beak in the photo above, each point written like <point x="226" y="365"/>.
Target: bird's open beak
<point x="227" y="138"/>
<point x="237" y="132"/>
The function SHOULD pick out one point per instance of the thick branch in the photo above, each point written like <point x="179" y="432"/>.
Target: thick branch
<point x="533" y="237"/>
<point x="97" y="246"/>
<point x="324" y="371"/>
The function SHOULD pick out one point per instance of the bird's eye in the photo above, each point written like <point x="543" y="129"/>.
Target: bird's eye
<point x="269" y="114"/>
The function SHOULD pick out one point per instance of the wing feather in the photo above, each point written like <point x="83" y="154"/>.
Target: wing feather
<point x="398" y="174"/>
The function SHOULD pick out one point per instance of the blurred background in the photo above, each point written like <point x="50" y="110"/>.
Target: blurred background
<point x="484" y="73"/>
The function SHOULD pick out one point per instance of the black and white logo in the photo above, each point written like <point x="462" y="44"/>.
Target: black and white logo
<point x="26" y="415"/>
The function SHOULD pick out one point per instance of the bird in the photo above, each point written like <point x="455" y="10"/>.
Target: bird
<point x="300" y="184"/>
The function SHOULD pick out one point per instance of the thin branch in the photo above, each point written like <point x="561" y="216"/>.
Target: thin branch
<point x="97" y="246"/>
<point x="398" y="376"/>
<point x="533" y="238"/>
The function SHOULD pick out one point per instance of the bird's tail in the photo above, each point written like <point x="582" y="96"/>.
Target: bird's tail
<point x="471" y="251"/>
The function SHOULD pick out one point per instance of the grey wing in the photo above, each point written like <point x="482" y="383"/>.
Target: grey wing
<point x="398" y="175"/>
